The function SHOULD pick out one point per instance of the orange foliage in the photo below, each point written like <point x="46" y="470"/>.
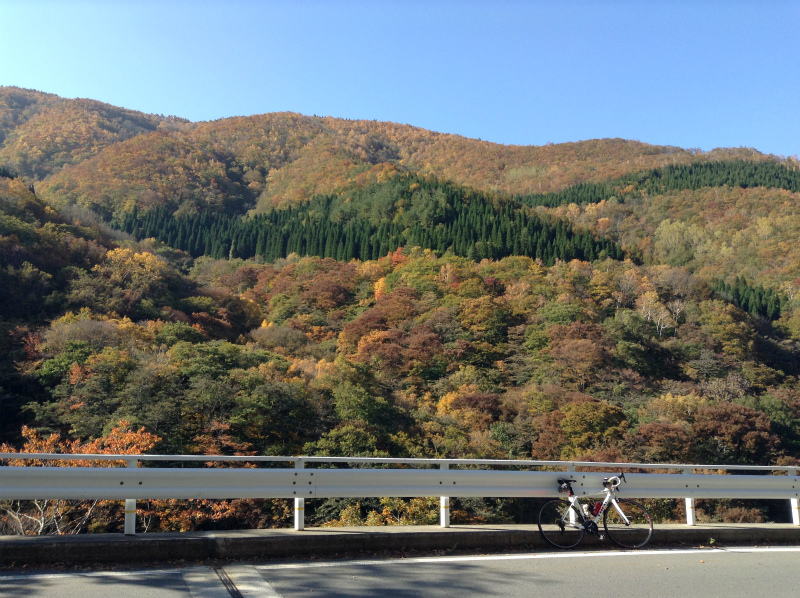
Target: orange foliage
<point x="280" y="158"/>
<point x="121" y="440"/>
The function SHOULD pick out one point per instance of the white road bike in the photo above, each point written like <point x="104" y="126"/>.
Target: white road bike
<point x="563" y="523"/>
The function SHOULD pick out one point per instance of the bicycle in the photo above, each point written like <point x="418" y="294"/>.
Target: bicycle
<point x="563" y="523"/>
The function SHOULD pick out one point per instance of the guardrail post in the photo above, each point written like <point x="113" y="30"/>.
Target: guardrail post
<point x="795" y="502"/>
<point x="444" y="502"/>
<point x="299" y="505"/>
<point x="690" y="512"/>
<point x="130" y="507"/>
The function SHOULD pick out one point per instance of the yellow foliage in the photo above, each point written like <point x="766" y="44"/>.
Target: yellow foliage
<point x="126" y="267"/>
<point x="16" y="188"/>
<point x="648" y="303"/>
<point x="370" y="270"/>
<point x="590" y="425"/>
<point x="445" y="405"/>
<point x="139" y="335"/>
<point x="83" y="314"/>
<point x="791" y="321"/>
<point x="536" y="272"/>
<point x="120" y="361"/>
<point x="380" y="287"/>
<point x="729" y="327"/>
<point x="467" y="418"/>
<point x="350" y="516"/>
<point x="670" y="409"/>
<point x="395" y="511"/>
<point x="311" y="368"/>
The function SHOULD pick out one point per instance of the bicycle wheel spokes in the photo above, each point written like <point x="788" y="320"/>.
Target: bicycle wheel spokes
<point x="556" y="525"/>
<point x="635" y="535"/>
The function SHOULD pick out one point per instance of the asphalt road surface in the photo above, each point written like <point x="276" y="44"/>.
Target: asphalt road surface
<point x="677" y="573"/>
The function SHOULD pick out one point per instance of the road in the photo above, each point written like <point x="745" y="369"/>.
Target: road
<point x="675" y="573"/>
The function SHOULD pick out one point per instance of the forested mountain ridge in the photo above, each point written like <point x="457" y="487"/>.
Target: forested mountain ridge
<point x="717" y="232"/>
<point x="42" y="133"/>
<point x="279" y="160"/>
<point x="722" y="219"/>
<point x="40" y="250"/>
<point x="387" y="296"/>
<point x="99" y="156"/>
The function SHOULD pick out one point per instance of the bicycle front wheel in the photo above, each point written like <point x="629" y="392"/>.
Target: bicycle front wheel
<point x="560" y="524"/>
<point x="628" y="535"/>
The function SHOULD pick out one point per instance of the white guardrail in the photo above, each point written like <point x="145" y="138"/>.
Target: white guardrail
<point x="408" y="479"/>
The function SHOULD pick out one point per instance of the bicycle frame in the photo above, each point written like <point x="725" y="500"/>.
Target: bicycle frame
<point x="609" y="499"/>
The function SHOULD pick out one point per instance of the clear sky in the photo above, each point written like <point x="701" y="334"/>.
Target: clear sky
<point x="693" y="73"/>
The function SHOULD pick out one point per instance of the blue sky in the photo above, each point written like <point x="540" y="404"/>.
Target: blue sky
<point x="694" y="73"/>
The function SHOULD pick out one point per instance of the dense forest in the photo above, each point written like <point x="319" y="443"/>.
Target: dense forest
<point x="738" y="173"/>
<point x="370" y="222"/>
<point x="191" y="301"/>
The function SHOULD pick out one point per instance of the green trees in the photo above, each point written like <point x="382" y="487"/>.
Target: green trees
<point x="416" y="212"/>
<point x="274" y="418"/>
<point x="755" y="300"/>
<point x="126" y="282"/>
<point x="174" y="332"/>
<point x="352" y="402"/>
<point x="736" y="173"/>
<point x="40" y="252"/>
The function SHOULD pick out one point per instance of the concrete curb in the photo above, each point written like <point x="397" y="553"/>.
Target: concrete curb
<point x="283" y="543"/>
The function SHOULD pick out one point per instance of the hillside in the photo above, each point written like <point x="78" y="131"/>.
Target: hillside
<point x="110" y="160"/>
<point x="282" y="159"/>
<point x="40" y="251"/>
<point x="721" y="220"/>
<point x="42" y="133"/>
<point x="279" y="160"/>
<point x="283" y="284"/>
<point x="97" y="155"/>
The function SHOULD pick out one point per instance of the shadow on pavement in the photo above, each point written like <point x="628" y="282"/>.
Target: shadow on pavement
<point x="402" y="580"/>
<point x="94" y="585"/>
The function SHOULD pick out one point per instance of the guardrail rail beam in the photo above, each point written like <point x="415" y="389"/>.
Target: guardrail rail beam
<point x="301" y="482"/>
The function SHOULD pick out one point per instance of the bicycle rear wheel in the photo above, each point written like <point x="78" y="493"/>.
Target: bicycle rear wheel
<point x="635" y="535"/>
<point x="560" y="524"/>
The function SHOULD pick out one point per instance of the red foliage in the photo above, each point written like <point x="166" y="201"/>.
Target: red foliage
<point x="659" y="442"/>
<point x="484" y="402"/>
<point x="729" y="433"/>
<point x="391" y="309"/>
<point x="550" y="438"/>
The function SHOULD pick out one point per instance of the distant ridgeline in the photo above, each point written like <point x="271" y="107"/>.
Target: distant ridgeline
<point x="739" y="173"/>
<point x="368" y="223"/>
<point x="754" y="300"/>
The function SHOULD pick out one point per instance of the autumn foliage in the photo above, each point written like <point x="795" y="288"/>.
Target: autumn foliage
<point x="427" y="296"/>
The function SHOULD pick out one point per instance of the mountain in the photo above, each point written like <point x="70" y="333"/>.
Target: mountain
<point x="281" y="159"/>
<point x="41" y="250"/>
<point x="99" y="156"/>
<point x="733" y="215"/>
<point x="724" y="214"/>
<point x="41" y="133"/>
<point x="285" y="284"/>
